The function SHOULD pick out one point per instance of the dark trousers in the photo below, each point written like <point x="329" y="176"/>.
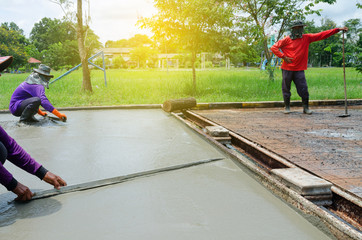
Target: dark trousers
<point x="298" y="77"/>
<point x="3" y="153"/>
<point x="35" y="101"/>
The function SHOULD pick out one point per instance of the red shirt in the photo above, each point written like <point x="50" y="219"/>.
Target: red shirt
<point x="298" y="49"/>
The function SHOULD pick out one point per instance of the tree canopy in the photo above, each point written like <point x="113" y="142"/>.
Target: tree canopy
<point x="239" y="30"/>
<point x="13" y="43"/>
<point x="196" y="26"/>
<point x="49" y="31"/>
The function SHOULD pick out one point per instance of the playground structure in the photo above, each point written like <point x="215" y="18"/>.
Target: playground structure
<point x="90" y="62"/>
<point x="275" y="61"/>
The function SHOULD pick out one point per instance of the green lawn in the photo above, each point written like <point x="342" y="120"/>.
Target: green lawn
<point x="156" y="86"/>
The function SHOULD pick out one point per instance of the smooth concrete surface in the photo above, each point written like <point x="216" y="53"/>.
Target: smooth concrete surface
<point x="100" y="144"/>
<point x="210" y="201"/>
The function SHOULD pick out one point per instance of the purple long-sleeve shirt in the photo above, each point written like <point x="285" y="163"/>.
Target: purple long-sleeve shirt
<point x="19" y="157"/>
<point x="26" y="90"/>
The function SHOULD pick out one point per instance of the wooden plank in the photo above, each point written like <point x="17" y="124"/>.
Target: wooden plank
<point x="116" y="180"/>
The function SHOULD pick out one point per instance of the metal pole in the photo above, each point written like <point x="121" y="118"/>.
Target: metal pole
<point x="104" y="70"/>
<point x="71" y="70"/>
<point x="344" y="78"/>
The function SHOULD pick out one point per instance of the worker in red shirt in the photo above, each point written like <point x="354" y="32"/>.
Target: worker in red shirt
<point x="293" y="50"/>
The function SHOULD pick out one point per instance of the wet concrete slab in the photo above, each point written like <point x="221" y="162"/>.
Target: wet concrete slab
<point x="214" y="201"/>
<point x="322" y="143"/>
<point x="98" y="144"/>
<point x="211" y="201"/>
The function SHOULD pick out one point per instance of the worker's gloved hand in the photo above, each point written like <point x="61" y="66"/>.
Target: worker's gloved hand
<point x="60" y="115"/>
<point x="41" y="113"/>
<point x="54" y="180"/>
<point x="23" y="192"/>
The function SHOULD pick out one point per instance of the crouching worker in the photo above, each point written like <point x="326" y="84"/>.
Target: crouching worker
<point x="30" y="94"/>
<point x="10" y="150"/>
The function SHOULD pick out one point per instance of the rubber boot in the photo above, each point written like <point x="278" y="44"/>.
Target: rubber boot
<point x="287" y="105"/>
<point x="28" y="114"/>
<point x="306" y="106"/>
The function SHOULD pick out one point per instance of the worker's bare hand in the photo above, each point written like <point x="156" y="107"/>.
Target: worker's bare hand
<point x="287" y="59"/>
<point x="54" y="180"/>
<point x="23" y="192"/>
<point x="345" y="29"/>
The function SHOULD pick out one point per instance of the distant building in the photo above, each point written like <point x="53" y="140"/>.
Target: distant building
<point x="165" y="60"/>
<point x="33" y="60"/>
<point x="111" y="53"/>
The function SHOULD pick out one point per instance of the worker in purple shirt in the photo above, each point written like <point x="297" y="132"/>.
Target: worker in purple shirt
<point x="30" y="94"/>
<point x="9" y="149"/>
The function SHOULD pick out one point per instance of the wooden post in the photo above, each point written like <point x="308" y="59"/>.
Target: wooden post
<point x="178" y="104"/>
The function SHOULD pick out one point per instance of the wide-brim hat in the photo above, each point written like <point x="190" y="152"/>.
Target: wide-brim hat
<point x="5" y="62"/>
<point x="298" y="23"/>
<point x="43" y="70"/>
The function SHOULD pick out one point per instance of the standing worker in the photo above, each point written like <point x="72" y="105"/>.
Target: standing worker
<point x="30" y="94"/>
<point x="293" y="50"/>
<point x="9" y="149"/>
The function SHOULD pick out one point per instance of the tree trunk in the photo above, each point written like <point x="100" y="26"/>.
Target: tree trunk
<point x="178" y="104"/>
<point x="269" y="57"/>
<point x="87" y="85"/>
<point x="193" y="60"/>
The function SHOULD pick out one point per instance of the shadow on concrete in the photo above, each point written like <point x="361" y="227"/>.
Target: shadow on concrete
<point x="11" y="211"/>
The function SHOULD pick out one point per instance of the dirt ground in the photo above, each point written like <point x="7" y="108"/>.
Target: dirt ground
<point x="323" y="143"/>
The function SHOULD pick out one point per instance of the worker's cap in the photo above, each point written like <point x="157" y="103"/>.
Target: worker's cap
<point x="5" y="62"/>
<point x="297" y="23"/>
<point x="43" y="70"/>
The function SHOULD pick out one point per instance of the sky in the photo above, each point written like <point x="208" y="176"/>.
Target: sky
<point x="116" y="19"/>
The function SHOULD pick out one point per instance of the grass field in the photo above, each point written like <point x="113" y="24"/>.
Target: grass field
<point x="156" y="86"/>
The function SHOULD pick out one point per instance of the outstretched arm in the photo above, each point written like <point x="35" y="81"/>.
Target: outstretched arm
<point x="325" y="34"/>
<point x="17" y="155"/>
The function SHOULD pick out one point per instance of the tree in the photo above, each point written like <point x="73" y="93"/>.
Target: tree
<point x="353" y="41"/>
<point x="54" y="37"/>
<point x="49" y="31"/>
<point x="261" y="18"/>
<point x="32" y="51"/>
<point x="13" y="43"/>
<point x="118" y="62"/>
<point x="137" y="40"/>
<point x="359" y="62"/>
<point x="242" y="52"/>
<point x="141" y="55"/>
<point x="12" y="27"/>
<point x="123" y="43"/>
<point x="322" y="53"/>
<point x="196" y="26"/>
<point x="62" y="55"/>
<point x="82" y="29"/>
